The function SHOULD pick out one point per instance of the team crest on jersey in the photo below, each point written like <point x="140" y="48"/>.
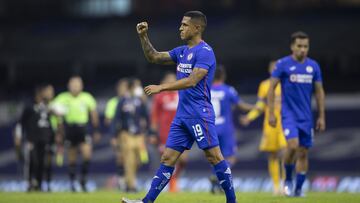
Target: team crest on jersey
<point x="189" y="57"/>
<point x="309" y="69"/>
<point x="286" y="132"/>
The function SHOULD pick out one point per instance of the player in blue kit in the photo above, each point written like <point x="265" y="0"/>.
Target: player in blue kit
<point x="195" y="119"/>
<point x="224" y="98"/>
<point x="299" y="77"/>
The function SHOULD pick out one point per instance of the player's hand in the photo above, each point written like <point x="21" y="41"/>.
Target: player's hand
<point x="142" y="28"/>
<point x="113" y="142"/>
<point x="59" y="138"/>
<point x="244" y="120"/>
<point x="152" y="89"/>
<point x="97" y="137"/>
<point x="320" y="124"/>
<point x="153" y="140"/>
<point x="272" y="120"/>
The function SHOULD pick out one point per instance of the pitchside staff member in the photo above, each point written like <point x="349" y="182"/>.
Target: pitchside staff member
<point x="78" y="106"/>
<point x="35" y="129"/>
<point x="130" y="124"/>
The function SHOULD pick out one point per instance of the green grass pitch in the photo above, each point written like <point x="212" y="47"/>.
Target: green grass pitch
<point x="186" y="197"/>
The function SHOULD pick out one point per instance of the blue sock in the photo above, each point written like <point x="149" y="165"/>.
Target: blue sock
<point x="158" y="183"/>
<point x="223" y="173"/>
<point x="289" y="171"/>
<point x="300" y="179"/>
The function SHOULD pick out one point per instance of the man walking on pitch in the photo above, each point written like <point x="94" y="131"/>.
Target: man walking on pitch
<point x="195" y="119"/>
<point x="299" y="76"/>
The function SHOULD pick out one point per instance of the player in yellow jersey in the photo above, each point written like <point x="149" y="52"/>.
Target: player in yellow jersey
<point x="273" y="140"/>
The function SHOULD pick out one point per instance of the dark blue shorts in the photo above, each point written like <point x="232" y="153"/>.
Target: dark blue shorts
<point x="184" y="131"/>
<point x="303" y="130"/>
<point x="227" y="142"/>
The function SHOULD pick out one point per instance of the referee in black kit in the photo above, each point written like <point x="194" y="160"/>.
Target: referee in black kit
<point x="34" y="133"/>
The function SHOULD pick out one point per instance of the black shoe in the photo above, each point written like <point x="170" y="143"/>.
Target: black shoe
<point x="72" y="187"/>
<point x="83" y="186"/>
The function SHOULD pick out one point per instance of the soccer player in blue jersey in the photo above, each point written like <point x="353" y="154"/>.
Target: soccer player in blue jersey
<point x="224" y="98"/>
<point x="299" y="77"/>
<point x="195" y="119"/>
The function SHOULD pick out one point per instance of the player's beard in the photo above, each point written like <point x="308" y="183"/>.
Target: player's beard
<point x="300" y="57"/>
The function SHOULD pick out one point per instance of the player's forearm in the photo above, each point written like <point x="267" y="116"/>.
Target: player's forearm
<point x="271" y="101"/>
<point x="253" y="114"/>
<point x="178" y="85"/>
<point x="320" y="100"/>
<point x="243" y="106"/>
<point x="95" y="120"/>
<point x="149" y="51"/>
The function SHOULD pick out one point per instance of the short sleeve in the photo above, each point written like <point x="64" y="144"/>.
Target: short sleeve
<point x="25" y="115"/>
<point x="60" y="99"/>
<point x="263" y="91"/>
<point x="234" y="96"/>
<point x="90" y="101"/>
<point x="278" y="71"/>
<point x="111" y="108"/>
<point x="205" y="58"/>
<point x="174" y="53"/>
<point x="317" y="73"/>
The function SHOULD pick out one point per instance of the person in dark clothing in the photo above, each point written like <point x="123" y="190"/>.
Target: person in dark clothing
<point x="35" y="131"/>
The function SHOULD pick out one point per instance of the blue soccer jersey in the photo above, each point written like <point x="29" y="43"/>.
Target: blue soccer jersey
<point x="297" y="86"/>
<point x="223" y="97"/>
<point x="195" y="102"/>
<point x="195" y="117"/>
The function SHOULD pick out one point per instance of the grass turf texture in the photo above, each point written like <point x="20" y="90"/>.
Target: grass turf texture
<point x="186" y="197"/>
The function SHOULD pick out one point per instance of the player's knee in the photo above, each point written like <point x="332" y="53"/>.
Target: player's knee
<point x="302" y="153"/>
<point x="167" y="160"/>
<point x="293" y="144"/>
<point x="213" y="158"/>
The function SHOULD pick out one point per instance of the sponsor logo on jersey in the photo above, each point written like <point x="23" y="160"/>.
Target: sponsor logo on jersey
<point x="189" y="57"/>
<point x="301" y="78"/>
<point x="184" y="67"/>
<point x="309" y="69"/>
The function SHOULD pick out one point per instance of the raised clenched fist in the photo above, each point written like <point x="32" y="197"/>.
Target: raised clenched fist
<point x="142" y="28"/>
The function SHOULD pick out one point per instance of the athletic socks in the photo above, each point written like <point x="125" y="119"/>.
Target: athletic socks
<point x="274" y="171"/>
<point x="84" y="171"/>
<point x="159" y="181"/>
<point x="300" y="179"/>
<point x="223" y="173"/>
<point x="289" y="168"/>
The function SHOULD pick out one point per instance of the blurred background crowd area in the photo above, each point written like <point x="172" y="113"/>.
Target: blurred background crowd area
<point x="48" y="41"/>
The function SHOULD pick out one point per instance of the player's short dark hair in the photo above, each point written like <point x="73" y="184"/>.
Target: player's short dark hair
<point x="120" y="81"/>
<point x="220" y="72"/>
<point x="298" y="35"/>
<point x="132" y="82"/>
<point x="41" y="87"/>
<point x="197" y="16"/>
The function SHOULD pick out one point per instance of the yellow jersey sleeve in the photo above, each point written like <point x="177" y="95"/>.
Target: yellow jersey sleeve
<point x="90" y="101"/>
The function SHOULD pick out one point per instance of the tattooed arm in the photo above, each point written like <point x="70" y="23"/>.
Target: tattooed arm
<point x="151" y="54"/>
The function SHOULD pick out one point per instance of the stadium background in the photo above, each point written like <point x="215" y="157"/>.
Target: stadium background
<point x="48" y="41"/>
